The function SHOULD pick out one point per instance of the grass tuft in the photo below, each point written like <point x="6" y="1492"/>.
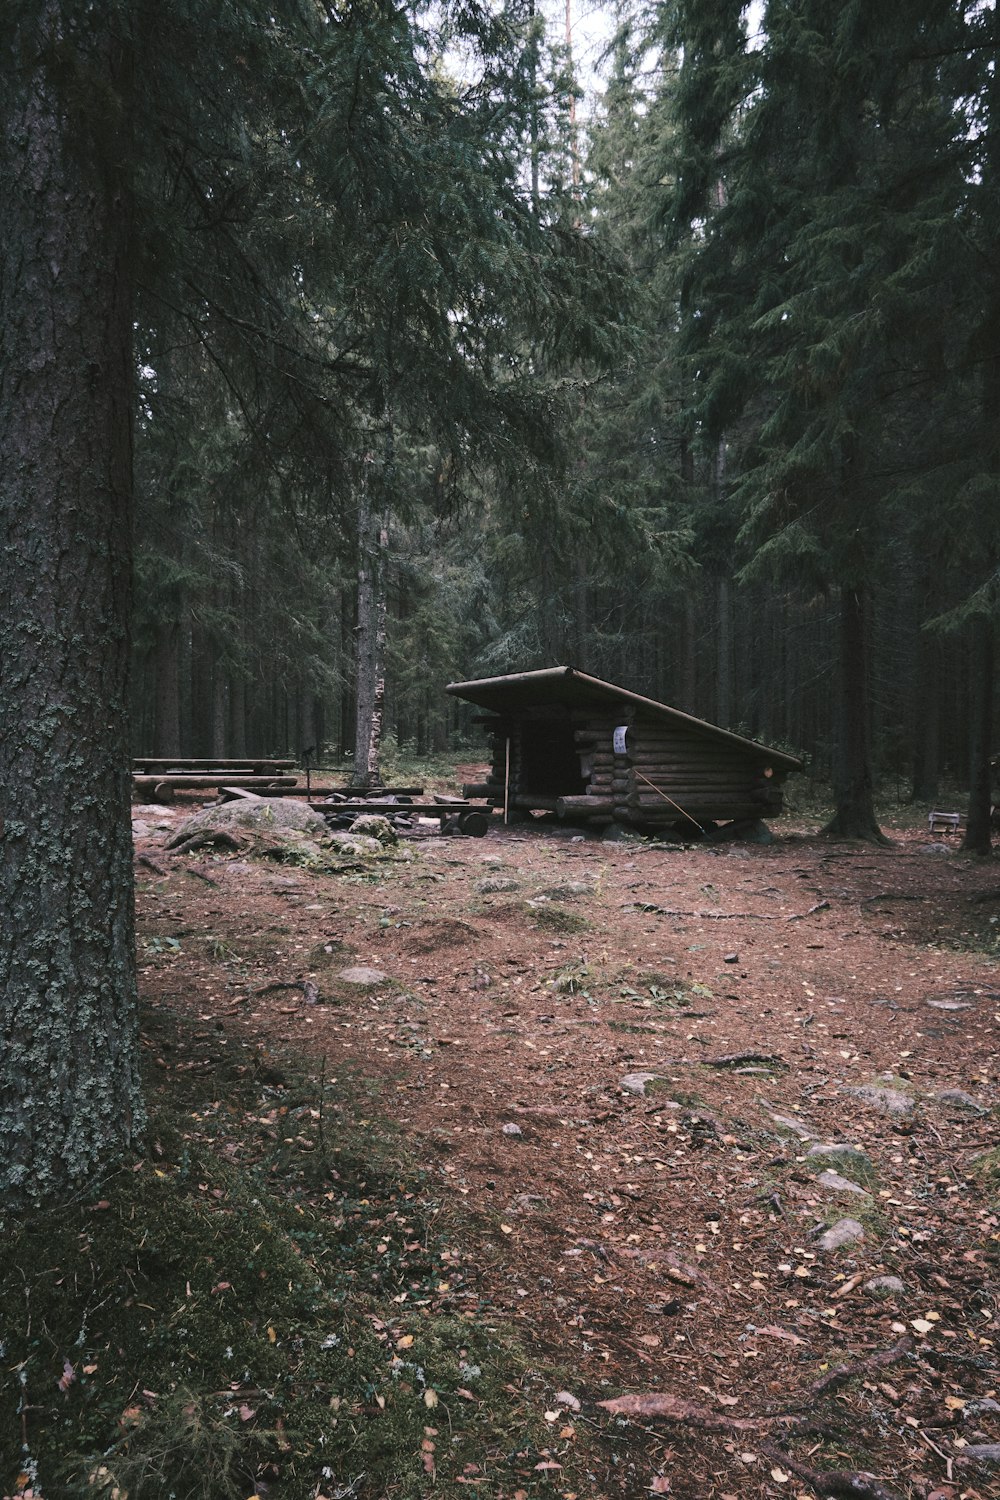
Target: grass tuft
<point x="265" y="1300"/>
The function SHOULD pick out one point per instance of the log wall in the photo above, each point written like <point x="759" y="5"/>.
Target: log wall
<point x="668" y="775"/>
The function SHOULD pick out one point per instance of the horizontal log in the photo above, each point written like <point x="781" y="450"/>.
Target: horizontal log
<point x="690" y="794"/>
<point x="684" y="794"/>
<point x="690" y="762"/>
<point x="568" y="806"/>
<point x="483" y="789"/>
<point x="731" y="787"/>
<point x="247" y="763"/>
<point x="393" y="809"/>
<point x="717" y="814"/>
<point x="655" y="770"/>
<point x="691" y="744"/>
<point x="528" y="803"/>
<point x="207" y="782"/>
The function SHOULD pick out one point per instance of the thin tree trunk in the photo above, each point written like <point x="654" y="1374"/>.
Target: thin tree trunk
<point x="977" y="827"/>
<point x="167" y="667"/>
<point x="70" y="1098"/>
<point x="689" y="654"/>
<point x="201" y="693"/>
<point x="854" y="790"/>
<point x="307" y="720"/>
<point x="219" y="709"/>
<point x="927" y="711"/>
<point x="724" y="653"/>
<point x="724" y="607"/>
<point x="581" y="615"/>
<point x="237" y="714"/>
<point x="373" y="540"/>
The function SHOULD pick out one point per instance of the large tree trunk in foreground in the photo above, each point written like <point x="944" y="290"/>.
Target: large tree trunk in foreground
<point x="69" y="1090"/>
<point x="853" y="784"/>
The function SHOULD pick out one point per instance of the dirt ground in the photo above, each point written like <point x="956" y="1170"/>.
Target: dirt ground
<point x="662" y="1235"/>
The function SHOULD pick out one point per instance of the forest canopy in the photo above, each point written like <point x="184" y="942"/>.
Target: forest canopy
<point x="690" y="382"/>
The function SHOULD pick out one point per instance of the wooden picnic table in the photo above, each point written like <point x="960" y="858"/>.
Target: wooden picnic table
<point x="242" y="765"/>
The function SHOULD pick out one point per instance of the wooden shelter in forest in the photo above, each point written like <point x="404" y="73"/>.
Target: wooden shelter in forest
<point x="590" y="751"/>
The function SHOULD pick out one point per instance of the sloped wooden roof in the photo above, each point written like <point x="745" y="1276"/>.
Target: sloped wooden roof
<point x="571" y="688"/>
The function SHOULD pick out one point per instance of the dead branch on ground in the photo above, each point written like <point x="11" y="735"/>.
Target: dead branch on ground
<point x="854" y="1367"/>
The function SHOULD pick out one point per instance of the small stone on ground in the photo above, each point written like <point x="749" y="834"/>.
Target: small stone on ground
<point x="844" y="1232"/>
<point x="365" y="979"/>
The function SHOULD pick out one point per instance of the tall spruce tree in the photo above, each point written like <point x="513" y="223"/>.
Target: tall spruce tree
<point x="335" y="229"/>
<point x="69" y="1089"/>
<point x="835" y="142"/>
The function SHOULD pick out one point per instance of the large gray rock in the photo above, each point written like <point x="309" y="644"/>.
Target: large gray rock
<point x="889" y="1101"/>
<point x="375" y="826"/>
<point x="354" y="843"/>
<point x="959" y="1099"/>
<point x="850" y="1161"/>
<point x="885" y="1286"/>
<point x="275" y="816"/>
<point x="795" y="1127"/>
<point x="834" y="1183"/>
<point x="362" y="978"/>
<point x="569" y="891"/>
<point x="637" y="1083"/>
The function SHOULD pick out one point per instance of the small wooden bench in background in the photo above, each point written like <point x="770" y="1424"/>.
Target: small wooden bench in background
<point x="944" y="822"/>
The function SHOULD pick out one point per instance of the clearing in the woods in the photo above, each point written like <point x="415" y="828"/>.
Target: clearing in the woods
<point x="710" y="1127"/>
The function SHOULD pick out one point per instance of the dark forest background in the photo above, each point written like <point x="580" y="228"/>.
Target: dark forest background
<point x="695" y="388"/>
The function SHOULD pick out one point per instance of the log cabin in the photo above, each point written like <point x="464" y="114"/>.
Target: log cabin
<point x="589" y="751"/>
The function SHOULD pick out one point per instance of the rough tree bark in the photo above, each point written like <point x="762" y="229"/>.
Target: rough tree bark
<point x="853" y="784"/>
<point x="167" y="667"/>
<point x="978" y="835"/>
<point x="69" y="1089"/>
<point x="927" y="712"/>
<point x="978" y="830"/>
<point x="373" y="546"/>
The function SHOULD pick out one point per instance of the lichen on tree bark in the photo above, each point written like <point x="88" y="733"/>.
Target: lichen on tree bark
<point x="70" y="1100"/>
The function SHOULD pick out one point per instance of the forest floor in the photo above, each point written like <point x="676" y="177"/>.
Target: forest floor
<point x="614" y="1062"/>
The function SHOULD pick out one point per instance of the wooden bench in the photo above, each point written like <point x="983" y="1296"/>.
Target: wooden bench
<point x="944" y="822"/>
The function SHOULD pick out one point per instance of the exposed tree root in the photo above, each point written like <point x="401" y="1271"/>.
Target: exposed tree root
<point x="309" y="990"/>
<point x="843" y="1373"/>
<point x="837" y="1484"/>
<point x="738" y="1059"/>
<point x="216" y="837"/>
<point x="677" y="1409"/>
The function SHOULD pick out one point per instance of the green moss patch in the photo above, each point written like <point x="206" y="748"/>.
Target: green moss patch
<point x="268" y="1299"/>
<point x="986" y="1168"/>
<point x="556" y="918"/>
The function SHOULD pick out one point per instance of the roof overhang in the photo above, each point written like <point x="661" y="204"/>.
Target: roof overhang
<point x="571" y="688"/>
